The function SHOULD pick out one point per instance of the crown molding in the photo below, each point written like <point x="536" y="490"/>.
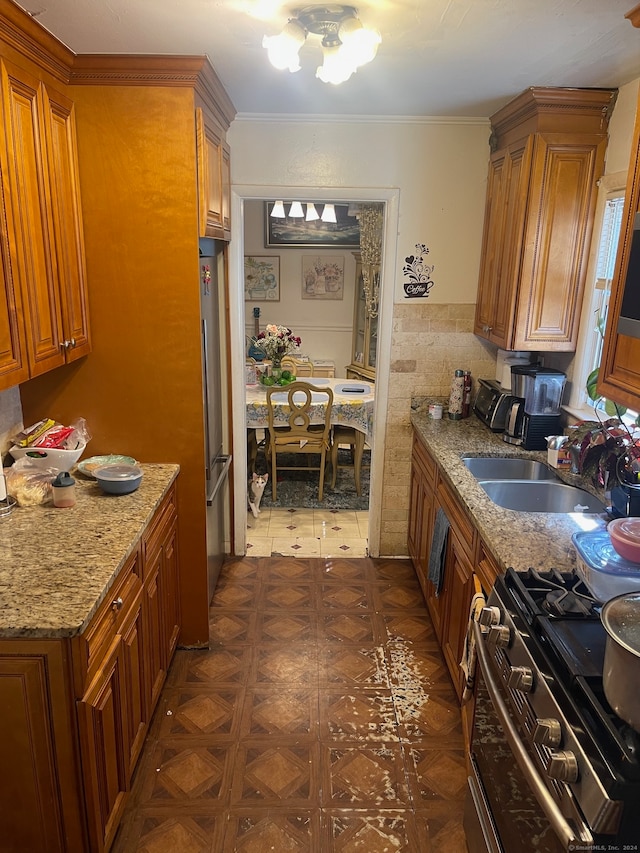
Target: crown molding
<point x="308" y="118"/>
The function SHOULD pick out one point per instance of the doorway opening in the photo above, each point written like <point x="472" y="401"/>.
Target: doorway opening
<point x="243" y="199"/>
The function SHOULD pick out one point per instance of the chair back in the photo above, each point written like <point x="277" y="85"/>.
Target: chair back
<point x="298" y="368"/>
<point x="300" y="401"/>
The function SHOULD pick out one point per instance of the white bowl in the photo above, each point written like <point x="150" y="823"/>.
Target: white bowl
<point x="49" y="457"/>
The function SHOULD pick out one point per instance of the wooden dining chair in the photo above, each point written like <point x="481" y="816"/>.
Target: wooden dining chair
<point x="299" y="435"/>
<point x="356" y="440"/>
<point x="298" y="368"/>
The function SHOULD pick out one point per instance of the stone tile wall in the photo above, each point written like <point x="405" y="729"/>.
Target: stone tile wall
<point x="429" y="342"/>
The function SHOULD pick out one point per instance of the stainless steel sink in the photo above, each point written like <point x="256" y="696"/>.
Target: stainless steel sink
<point x="507" y="468"/>
<point x="540" y="496"/>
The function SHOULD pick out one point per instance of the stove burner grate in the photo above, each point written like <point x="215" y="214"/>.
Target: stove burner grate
<point x="566" y="603"/>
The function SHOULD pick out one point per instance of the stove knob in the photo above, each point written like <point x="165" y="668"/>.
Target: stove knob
<point x="563" y="766"/>
<point x="489" y="616"/>
<point x="520" y="678"/>
<point x="499" y="636"/>
<point x="547" y="732"/>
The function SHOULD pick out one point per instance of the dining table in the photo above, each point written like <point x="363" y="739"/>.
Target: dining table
<point x="353" y="403"/>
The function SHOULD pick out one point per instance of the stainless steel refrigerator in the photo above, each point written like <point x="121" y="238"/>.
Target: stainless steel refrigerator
<point x="217" y="461"/>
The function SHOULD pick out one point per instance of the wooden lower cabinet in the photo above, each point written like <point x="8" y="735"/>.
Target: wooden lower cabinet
<point x="449" y="609"/>
<point x="68" y="767"/>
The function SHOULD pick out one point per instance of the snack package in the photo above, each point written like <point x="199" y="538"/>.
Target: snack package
<point x="50" y="433"/>
<point x="28" y="483"/>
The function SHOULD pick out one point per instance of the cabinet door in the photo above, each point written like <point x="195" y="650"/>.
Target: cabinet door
<point x="105" y="748"/>
<point x="209" y="148"/>
<point x="502" y="243"/>
<point x="155" y="667"/>
<point x="457" y="593"/>
<point x="557" y="237"/>
<point x="171" y="591"/>
<point x="14" y="368"/>
<point x="30" y="238"/>
<point x="67" y="222"/>
<point x="135" y="712"/>
<point x="619" y="377"/>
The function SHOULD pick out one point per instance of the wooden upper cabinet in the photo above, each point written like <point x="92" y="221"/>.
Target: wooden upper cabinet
<point x="214" y="178"/>
<point x="43" y="221"/>
<point x="13" y="357"/>
<point x="619" y="377"/>
<point x="548" y="149"/>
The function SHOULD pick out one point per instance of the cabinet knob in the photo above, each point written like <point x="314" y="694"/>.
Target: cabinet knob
<point x="116" y="604"/>
<point x="69" y="344"/>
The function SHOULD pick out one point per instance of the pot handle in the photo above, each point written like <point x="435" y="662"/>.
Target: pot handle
<point x="540" y="791"/>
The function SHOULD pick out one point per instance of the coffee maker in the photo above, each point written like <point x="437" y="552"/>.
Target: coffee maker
<point x="535" y="411"/>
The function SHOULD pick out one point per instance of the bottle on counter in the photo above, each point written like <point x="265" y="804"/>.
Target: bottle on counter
<point x="466" y="394"/>
<point x="456" y="396"/>
<point x="63" y="490"/>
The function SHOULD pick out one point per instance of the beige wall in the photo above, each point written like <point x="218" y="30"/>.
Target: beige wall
<point x="10" y="417"/>
<point x="324" y="325"/>
<point x="440" y="170"/>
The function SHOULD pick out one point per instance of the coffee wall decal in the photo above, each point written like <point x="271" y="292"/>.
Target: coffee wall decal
<point x="417" y="273"/>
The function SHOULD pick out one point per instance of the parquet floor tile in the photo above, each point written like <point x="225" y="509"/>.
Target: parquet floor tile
<point x="322" y="719"/>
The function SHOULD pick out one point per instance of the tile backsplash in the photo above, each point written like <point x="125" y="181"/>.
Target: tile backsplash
<point x="10" y="417"/>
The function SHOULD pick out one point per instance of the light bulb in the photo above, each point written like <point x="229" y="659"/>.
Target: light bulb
<point x="283" y="49"/>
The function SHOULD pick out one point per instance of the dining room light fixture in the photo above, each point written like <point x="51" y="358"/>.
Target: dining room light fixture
<point x="346" y="43"/>
<point x="296" y="211"/>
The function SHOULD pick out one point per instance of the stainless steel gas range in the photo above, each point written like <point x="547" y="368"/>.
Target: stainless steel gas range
<point x="554" y="769"/>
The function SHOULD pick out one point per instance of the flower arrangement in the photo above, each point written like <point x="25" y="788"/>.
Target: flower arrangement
<point x="277" y="341"/>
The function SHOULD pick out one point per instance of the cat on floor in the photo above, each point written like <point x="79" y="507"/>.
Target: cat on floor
<point x="255" y="491"/>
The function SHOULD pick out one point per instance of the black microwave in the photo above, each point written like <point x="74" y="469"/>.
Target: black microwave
<point x="629" y="321"/>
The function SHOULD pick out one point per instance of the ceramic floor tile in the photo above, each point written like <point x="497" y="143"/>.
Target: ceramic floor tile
<point x="336" y="547"/>
<point x="240" y="569"/>
<point x="154" y="832"/>
<point x="286" y="664"/>
<point x="291" y="528"/>
<point x="409" y="626"/>
<point x="349" y="628"/>
<point x="189" y="772"/>
<point x="221" y="667"/>
<point x="396" y="595"/>
<point x="346" y="596"/>
<point x="430" y="715"/>
<point x="340" y="569"/>
<point x="290" y="570"/>
<point x="231" y="627"/>
<point x="436" y="775"/>
<point x="417" y="665"/>
<point x="296" y="547"/>
<point x="336" y="529"/>
<point x="288" y="595"/>
<point x="334" y="516"/>
<point x="201" y="710"/>
<point x="259" y="546"/>
<point x="235" y="596"/>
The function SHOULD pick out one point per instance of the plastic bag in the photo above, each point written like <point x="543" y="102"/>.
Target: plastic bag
<point x="29" y="483"/>
<point x="50" y="433"/>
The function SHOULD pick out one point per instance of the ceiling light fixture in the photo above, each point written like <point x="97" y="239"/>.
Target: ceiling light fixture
<point x="278" y="210"/>
<point x="346" y="43"/>
<point x="312" y="213"/>
<point x="296" y="210"/>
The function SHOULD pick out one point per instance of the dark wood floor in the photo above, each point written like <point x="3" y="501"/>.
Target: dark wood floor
<point x="322" y="719"/>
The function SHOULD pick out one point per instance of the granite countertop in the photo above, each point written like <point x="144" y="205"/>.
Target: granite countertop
<point x="57" y="565"/>
<point x="518" y="539"/>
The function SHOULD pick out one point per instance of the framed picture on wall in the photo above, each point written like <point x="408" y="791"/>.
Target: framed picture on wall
<point x="323" y="277"/>
<point x="262" y="278"/>
<point x="344" y="233"/>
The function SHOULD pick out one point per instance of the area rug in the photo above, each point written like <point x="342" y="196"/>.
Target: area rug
<point x="300" y="488"/>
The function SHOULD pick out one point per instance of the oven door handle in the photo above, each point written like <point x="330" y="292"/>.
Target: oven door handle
<point x="548" y="805"/>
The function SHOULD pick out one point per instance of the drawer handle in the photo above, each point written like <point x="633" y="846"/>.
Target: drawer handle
<point x="116" y="604"/>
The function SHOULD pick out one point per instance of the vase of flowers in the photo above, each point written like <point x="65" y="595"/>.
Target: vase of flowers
<point x="276" y="342"/>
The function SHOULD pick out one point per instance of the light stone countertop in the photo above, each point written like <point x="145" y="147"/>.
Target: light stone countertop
<point x="518" y="539"/>
<point x="57" y="565"/>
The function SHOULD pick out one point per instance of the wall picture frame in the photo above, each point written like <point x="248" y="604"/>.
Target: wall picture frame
<point x="293" y="231"/>
<point x="262" y="278"/>
<point x="323" y="277"/>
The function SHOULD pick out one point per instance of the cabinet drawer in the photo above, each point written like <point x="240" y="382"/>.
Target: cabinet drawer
<point x="458" y="519"/>
<point x="94" y="642"/>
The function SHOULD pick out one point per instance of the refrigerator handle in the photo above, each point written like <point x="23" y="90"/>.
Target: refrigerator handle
<point x="226" y="459"/>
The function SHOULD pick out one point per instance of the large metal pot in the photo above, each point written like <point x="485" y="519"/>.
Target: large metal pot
<point x="621" y="676"/>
